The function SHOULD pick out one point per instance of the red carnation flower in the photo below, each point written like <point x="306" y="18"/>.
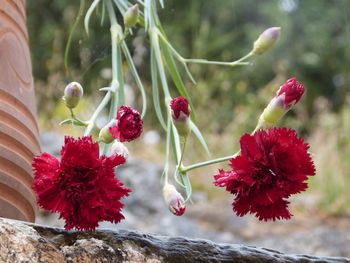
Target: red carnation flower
<point x="82" y="186"/>
<point x="178" y="105"/>
<point x="273" y="165"/>
<point x="292" y="90"/>
<point x="129" y="126"/>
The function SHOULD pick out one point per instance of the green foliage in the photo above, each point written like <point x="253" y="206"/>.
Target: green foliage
<point x="314" y="47"/>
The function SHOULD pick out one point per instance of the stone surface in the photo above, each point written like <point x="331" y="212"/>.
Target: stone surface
<point x="29" y="243"/>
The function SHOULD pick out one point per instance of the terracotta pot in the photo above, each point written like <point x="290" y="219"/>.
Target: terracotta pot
<point x="18" y="126"/>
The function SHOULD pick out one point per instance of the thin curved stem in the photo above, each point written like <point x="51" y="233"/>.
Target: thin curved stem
<point x="239" y="62"/>
<point x="183" y="150"/>
<point x="97" y="112"/>
<point x="69" y="41"/>
<point x="210" y="162"/>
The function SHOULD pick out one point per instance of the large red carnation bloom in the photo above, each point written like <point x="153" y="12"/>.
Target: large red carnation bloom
<point x="129" y="126"/>
<point x="273" y="165"/>
<point x="82" y="186"/>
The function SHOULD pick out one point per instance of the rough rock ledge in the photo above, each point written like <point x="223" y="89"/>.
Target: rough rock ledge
<point x="26" y="243"/>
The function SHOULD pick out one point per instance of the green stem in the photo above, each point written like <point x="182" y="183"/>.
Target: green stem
<point x="72" y="113"/>
<point x="239" y="62"/>
<point x="117" y="71"/>
<point x="167" y="153"/>
<point x="183" y="151"/>
<point x="210" y="162"/>
<point x="97" y="112"/>
<point x="258" y="126"/>
<point x="136" y="77"/>
<point x="159" y="62"/>
<point x="220" y="63"/>
<point x="249" y="55"/>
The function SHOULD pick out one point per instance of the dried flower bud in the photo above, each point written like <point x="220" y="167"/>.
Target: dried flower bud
<point x="174" y="200"/>
<point x="72" y="94"/>
<point x="266" y="40"/>
<point x="180" y="111"/>
<point x="286" y="97"/>
<point x="119" y="149"/>
<point x="105" y="135"/>
<point x="131" y="16"/>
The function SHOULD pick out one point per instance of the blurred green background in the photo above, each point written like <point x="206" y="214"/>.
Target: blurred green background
<point x="314" y="46"/>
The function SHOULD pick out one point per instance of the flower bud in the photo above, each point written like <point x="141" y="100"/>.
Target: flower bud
<point x="129" y="124"/>
<point x="72" y="94"/>
<point x="180" y="112"/>
<point x="174" y="200"/>
<point x="120" y="149"/>
<point x="105" y="134"/>
<point x="131" y="16"/>
<point x="266" y="40"/>
<point x="286" y="97"/>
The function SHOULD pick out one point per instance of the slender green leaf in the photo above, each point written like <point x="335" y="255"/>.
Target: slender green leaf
<point x="147" y="14"/>
<point x="103" y="13"/>
<point x="178" y="179"/>
<point x="76" y="22"/>
<point x="136" y="77"/>
<point x="155" y="91"/>
<point x="174" y="52"/>
<point x="174" y="73"/>
<point x="176" y="143"/>
<point x="121" y="6"/>
<point x="121" y="88"/>
<point x="167" y="153"/>
<point x="188" y="187"/>
<point x="89" y="13"/>
<point x="73" y="122"/>
<point x="159" y="62"/>
<point x="200" y="137"/>
<point x="111" y="89"/>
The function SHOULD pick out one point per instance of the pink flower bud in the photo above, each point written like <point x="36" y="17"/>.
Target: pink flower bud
<point x="129" y="125"/>
<point x="72" y="94"/>
<point x="105" y="135"/>
<point x="119" y="148"/>
<point x="180" y="111"/>
<point x="174" y="200"/>
<point x="131" y="16"/>
<point x="286" y="97"/>
<point x="292" y="91"/>
<point x="266" y="40"/>
<point x="180" y="108"/>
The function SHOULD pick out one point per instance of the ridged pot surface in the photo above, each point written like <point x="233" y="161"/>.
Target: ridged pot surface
<point x="18" y="125"/>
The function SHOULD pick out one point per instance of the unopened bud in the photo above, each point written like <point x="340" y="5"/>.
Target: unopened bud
<point x="174" y="200"/>
<point x="266" y="40"/>
<point x="105" y="135"/>
<point x="72" y="94"/>
<point x="180" y="111"/>
<point x="131" y="16"/>
<point x="286" y="97"/>
<point x="120" y="149"/>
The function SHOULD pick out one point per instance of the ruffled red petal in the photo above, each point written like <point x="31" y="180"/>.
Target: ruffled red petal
<point x="83" y="187"/>
<point x="273" y="165"/>
<point x="130" y="124"/>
